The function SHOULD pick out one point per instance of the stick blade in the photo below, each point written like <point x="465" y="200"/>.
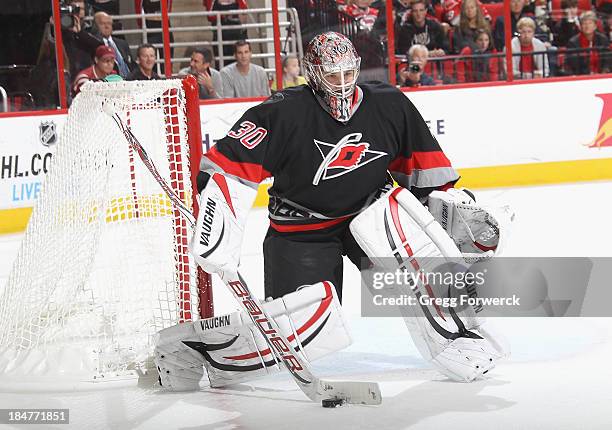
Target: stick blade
<point x="352" y="392"/>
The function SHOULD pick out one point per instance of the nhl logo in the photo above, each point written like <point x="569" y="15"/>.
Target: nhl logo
<point x="47" y="133"/>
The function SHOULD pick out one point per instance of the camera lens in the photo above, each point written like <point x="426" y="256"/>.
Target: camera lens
<point x="66" y="21"/>
<point x="415" y="68"/>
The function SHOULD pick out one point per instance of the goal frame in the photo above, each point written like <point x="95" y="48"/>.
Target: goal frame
<point x="45" y="354"/>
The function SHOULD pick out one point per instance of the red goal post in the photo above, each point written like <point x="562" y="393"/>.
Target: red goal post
<point x="191" y="88"/>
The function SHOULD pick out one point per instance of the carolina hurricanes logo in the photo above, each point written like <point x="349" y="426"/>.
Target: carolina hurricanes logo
<point x="343" y="157"/>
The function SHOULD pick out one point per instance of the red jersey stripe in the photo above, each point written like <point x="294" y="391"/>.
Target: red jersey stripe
<point x="284" y="228"/>
<point x="250" y="171"/>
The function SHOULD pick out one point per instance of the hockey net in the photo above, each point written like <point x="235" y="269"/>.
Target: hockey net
<point x="104" y="263"/>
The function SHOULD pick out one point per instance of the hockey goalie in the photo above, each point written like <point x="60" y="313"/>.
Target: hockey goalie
<point x="335" y="149"/>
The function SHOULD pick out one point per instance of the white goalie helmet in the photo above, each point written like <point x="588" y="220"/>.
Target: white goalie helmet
<point x="330" y="54"/>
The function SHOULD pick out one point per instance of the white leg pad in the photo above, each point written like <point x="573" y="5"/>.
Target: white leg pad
<point x="232" y="350"/>
<point x="398" y="233"/>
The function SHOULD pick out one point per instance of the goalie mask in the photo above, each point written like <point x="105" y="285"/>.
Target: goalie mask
<point x="332" y="67"/>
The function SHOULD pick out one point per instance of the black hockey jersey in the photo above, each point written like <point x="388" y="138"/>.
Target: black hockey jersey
<point x="326" y="171"/>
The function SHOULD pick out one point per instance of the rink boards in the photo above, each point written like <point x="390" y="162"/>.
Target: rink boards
<point x="497" y="136"/>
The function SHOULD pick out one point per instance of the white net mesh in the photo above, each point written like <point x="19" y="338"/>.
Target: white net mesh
<point x="104" y="263"/>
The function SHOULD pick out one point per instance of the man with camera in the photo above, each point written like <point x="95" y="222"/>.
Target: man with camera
<point x="414" y="75"/>
<point x="79" y="44"/>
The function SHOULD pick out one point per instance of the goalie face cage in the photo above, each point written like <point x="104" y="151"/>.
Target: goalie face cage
<point x="104" y="264"/>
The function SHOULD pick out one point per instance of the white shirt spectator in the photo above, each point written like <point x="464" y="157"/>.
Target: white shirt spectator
<point x="253" y="84"/>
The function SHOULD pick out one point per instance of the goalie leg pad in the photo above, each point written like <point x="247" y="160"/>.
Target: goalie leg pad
<point x="398" y="233"/>
<point x="232" y="350"/>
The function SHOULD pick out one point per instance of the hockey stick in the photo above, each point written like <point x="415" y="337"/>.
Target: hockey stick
<point x="329" y="393"/>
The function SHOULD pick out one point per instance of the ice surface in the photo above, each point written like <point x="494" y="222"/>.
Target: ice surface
<point x="558" y="377"/>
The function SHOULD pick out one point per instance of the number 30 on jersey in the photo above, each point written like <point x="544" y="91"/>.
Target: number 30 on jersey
<point x="249" y="134"/>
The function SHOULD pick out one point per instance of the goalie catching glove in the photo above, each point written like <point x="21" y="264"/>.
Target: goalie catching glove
<point x="398" y="233"/>
<point x="478" y="231"/>
<point x="224" y="205"/>
<point x="232" y="350"/>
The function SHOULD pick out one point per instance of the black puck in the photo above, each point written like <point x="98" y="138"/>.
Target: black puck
<point x="332" y="403"/>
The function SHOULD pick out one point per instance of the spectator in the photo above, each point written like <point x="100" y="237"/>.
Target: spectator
<point x="104" y="63"/>
<point x="516" y="13"/>
<point x="361" y="11"/>
<point x="79" y="44"/>
<point x="291" y="73"/>
<point x="414" y="75"/>
<point x="420" y="30"/>
<point x="595" y="54"/>
<point x="568" y="26"/>
<point x="155" y="22"/>
<point x="453" y="8"/>
<point x="228" y="35"/>
<point x="533" y="61"/>
<point x="483" y="66"/>
<point x="104" y="30"/>
<point x="146" y="55"/>
<point x="79" y="49"/>
<point x="209" y="79"/>
<point x="242" y="78"/>
<point x="471" y="22"/>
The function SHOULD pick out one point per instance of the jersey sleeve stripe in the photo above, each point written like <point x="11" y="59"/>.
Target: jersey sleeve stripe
<point x="423" y="169"/>
<point x="251" y="172"/>
<point x="430" y="178"/>
<point x="419" y="160"/>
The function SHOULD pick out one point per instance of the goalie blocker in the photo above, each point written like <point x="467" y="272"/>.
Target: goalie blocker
<point x="230" y="350"/>
<point x="224" y="206"/>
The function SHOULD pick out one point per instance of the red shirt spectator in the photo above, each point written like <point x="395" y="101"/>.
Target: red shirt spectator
<point x="533" y="61"/>
<point x="595" y="54"/>
<point x="483" y="66"/>
<point x="104" y="62"/>
<point x="362" y="12"/>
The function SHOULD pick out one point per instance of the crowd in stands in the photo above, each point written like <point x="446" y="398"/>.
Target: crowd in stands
<point x="93" y="52"/>
<point x="464" y="40"/>
<point x="436" y="42"/>
<point x="567" y="37"/>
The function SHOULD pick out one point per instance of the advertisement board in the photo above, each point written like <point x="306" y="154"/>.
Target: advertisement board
<point x="496" y="136"/>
